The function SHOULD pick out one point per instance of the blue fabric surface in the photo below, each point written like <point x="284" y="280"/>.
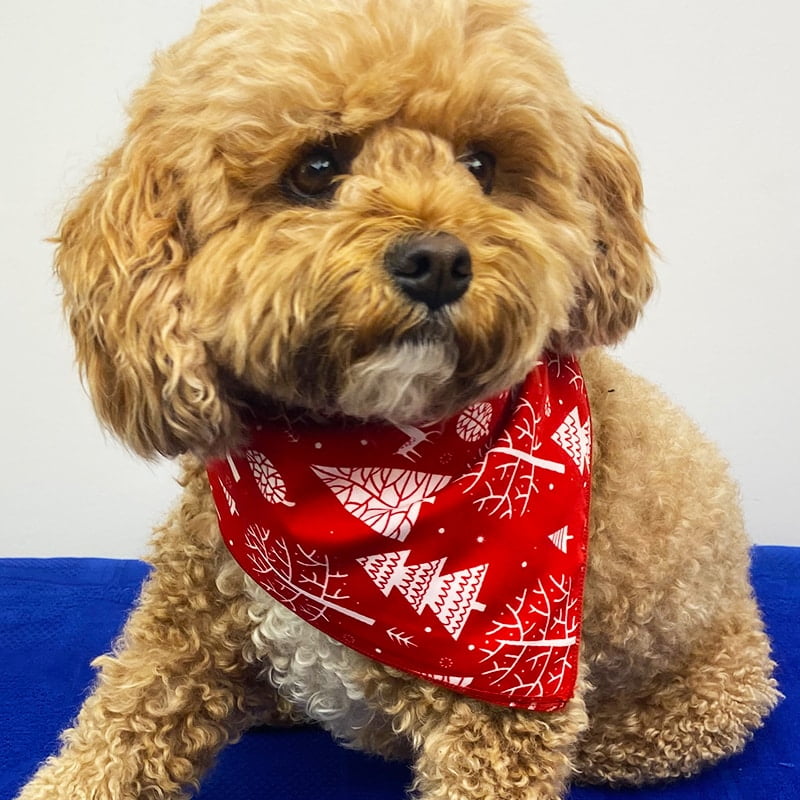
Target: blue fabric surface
<point x="57" y="614"/>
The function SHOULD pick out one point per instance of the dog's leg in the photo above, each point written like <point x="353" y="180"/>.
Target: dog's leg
<point x="467" y="750"/>
<point x="177" y="688"/>
<point x="690" y="717"/>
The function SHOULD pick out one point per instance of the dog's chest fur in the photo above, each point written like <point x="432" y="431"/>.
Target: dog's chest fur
<point x="318" y="675"/>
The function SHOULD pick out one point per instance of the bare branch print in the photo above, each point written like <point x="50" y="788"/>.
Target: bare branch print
<point x="317" y="573"/>
<point x="505" y="478"/>
<point x="532" y="643"/>
<point x="312" y="592"/>
<point x="558" y="366"/>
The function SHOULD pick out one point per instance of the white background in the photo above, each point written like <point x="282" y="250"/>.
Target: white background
<point x="708" y="91"/>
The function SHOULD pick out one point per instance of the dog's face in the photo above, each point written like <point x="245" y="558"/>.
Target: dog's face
<point x="371" y="207"/>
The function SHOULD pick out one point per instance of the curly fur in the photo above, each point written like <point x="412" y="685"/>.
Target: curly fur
<point x="198" y="288"/>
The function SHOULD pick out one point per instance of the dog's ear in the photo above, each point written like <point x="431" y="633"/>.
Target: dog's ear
<point x="121" y="257"/>
<point x="617" y="282"/>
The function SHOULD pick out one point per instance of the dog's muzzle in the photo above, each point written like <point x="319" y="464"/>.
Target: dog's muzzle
<point x="430" y="268"/>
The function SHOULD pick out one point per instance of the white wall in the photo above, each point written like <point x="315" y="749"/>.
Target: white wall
<point x="708" y="92"/>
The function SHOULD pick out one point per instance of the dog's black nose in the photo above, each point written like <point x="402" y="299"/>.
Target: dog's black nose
<point x="432" y="268"/>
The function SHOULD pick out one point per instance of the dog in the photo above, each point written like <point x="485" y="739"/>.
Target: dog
<point x="388" y="213"/>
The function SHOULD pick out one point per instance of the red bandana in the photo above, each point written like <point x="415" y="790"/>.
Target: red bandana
<point x="455" y="551"/>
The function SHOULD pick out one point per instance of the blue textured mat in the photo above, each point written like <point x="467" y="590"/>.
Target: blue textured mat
<point x="57" y="614"/>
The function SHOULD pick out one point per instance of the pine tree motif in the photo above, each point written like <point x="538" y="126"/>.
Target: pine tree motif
<point x="473" y="423"/>
<point x="451" y="597"/>
<point x="561" y="538"/>
<point x="417" y="581"/>
<point x="454" y="599"/>
<point x="383" y="567"/>
<point x="575" y="439"/>
<point x="387" y="500"/>
<point x="269" y="480"/>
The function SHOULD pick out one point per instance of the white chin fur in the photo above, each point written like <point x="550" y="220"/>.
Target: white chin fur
<point x="399" y="384"/>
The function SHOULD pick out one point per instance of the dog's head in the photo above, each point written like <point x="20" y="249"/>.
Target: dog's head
<point x="370" y="207"/>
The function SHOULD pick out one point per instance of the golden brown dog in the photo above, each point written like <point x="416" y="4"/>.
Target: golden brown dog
<point x="234" y="250"/>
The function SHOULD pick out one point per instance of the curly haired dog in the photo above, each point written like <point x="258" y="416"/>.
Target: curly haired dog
<point x="233" y="252"/>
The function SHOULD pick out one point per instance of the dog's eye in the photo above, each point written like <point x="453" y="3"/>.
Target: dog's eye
<point x="481" y="165"/>
<point x="313" y="177"/>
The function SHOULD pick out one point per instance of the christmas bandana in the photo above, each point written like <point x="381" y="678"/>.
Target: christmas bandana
<point x="455" y="551"/>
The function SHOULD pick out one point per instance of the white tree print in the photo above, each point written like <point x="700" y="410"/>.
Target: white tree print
<point x="561" y="538"/>
<point x="269" y="480"/>
<point x="531" y="646"/>
<point x="387" y="500"/>
<point x="575" y="438"/>
<point x="452" y="597"/>
<point x="301" y="579"/>
<point x="506" y="474"/>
